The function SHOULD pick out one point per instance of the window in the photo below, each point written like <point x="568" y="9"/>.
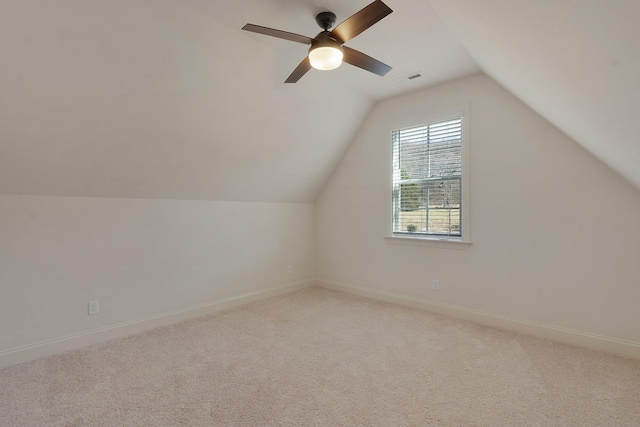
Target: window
<point x="427" y="180"/>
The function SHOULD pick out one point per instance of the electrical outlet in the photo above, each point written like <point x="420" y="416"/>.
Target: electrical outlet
<point x="435" y="284"/>
<point x="94" y="307"/>
<point x="289" y="270"/>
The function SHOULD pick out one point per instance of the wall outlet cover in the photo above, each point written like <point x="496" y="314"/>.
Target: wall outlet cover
<point x="94" y="307"/>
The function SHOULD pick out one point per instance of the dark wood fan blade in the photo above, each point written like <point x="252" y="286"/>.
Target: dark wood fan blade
<point x="359" y="59"/>
<point x="359" y="22"/>
<point x="300" y="71"/>
<point x="278" y="33"/>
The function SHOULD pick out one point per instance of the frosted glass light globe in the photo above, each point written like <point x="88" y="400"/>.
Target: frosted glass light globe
<point x="325" y="58"/>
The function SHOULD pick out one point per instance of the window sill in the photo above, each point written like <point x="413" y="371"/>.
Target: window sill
<point x="431" y="242"/>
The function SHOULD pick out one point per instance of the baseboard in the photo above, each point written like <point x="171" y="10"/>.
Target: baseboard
<point x="71" y="342"/>
<point x="550" y="332"/>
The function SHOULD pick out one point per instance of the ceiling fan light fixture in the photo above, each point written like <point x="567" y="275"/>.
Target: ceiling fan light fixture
<point x="326" y="55"/>
<point x="327" y="51"/>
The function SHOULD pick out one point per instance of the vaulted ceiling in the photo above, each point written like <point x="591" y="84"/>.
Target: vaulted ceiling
<point x="171" y="99"/>
<point x="576" y="62"/>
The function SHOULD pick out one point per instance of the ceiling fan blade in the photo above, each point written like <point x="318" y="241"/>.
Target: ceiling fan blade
<point x="359" y="59"/>
<point x="360" y="21"/>
<point x="278" y="33"/>
<point x="300" y="71"/>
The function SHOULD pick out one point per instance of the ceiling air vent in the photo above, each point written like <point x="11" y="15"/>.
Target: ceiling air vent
<point x="411" y="76"/>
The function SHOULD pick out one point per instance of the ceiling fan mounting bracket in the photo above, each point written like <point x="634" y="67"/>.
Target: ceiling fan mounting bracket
<point x="326" y="20"/>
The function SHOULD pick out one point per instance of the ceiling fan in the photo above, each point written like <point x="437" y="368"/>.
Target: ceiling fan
<point x="327" y="51"/>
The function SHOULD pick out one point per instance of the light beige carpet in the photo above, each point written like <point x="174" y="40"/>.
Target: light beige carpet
<point x="319" y="357"/>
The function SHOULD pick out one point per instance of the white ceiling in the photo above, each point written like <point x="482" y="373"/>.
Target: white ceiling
<point x="170" y="99"/>
<point x="576" y="62"/>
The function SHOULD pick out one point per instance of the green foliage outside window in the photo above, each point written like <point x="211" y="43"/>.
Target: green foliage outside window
<point x="410" y="194"/>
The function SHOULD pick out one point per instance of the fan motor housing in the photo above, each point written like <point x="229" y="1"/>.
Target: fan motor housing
<point x="326" y="20"/>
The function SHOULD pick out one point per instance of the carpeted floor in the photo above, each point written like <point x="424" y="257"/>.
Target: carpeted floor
<point x="319" y="357"/>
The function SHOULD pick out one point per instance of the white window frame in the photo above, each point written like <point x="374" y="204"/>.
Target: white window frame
<point x="446" y="242"/>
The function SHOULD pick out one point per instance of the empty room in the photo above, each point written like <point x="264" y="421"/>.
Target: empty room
<point x="319" y="213"/>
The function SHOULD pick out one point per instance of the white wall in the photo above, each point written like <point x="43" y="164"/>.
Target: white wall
<point x="556" y="234"/>
<point x="139" y="258"/>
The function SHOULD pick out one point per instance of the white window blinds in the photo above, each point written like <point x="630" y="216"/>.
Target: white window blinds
<point x="427" y="179"/>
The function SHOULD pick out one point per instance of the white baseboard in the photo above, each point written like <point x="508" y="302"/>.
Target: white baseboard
<point x="70" y="342"/>
<point x="553" y="333"/>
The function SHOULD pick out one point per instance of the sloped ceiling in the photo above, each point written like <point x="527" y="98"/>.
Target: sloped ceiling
<point x="576" y="62"/>
<point x="170" y="99"/>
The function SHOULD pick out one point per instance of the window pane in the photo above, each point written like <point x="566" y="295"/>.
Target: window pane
<point x="442" y="216"/>
<point x="444" y="206"/>
<point x="444" y="221"/>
